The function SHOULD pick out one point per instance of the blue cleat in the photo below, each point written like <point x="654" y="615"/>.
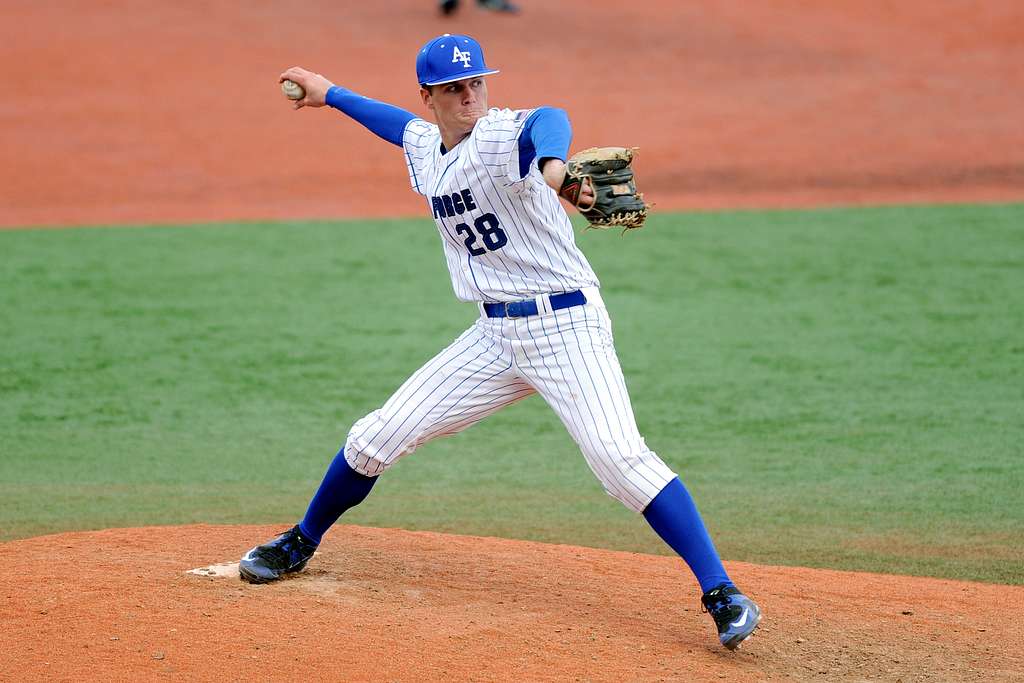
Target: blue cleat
<point x="735" y="614"/>
<point x="287" y="553"/>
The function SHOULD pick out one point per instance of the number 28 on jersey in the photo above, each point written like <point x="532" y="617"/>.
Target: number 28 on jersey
<point x="485" y="234"/>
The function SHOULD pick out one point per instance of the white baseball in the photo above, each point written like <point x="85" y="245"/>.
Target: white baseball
<point x="292" y="90"/>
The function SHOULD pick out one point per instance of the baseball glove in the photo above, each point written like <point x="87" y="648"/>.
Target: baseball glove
<point x="616" y="201"/>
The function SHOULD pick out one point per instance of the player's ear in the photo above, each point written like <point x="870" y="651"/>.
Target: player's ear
<point x="426" y="94"/>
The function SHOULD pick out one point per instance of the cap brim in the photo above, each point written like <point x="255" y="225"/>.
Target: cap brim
<point x="463" y="76"/>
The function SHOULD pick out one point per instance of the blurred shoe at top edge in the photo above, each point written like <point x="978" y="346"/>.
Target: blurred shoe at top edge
<point x="449" y="6"/>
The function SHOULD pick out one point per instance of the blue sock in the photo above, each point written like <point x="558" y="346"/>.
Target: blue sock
<point x="673" y="515"/>
<point x="341" y="489"/>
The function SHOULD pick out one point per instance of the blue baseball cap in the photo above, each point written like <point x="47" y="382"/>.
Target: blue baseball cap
<point x="450" y="58"/>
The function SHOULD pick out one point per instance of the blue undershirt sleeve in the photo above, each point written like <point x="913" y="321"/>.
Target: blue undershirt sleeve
<point x="547" y="134"/>
<point x="385" y="120"/>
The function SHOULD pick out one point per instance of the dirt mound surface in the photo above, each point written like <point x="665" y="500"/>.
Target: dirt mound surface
<point x="391" y="605"/>
<point x="169" y="112"/>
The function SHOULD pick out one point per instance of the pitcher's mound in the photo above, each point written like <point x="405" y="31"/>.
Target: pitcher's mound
<point x="390" y="605"/>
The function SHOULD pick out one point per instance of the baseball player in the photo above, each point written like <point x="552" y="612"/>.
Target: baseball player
<point x="491" y="180"/>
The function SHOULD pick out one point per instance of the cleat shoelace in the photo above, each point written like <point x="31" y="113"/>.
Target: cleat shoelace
<point x="718" y="603"/>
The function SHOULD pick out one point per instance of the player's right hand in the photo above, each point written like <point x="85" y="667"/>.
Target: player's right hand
<point x="315" y="85"/>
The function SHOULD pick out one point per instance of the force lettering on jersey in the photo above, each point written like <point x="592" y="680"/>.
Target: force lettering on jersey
<point x="451" y="205"/>
<point x="485" y="235"/>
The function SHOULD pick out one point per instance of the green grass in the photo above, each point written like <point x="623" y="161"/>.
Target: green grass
<point x="838" y="388"/>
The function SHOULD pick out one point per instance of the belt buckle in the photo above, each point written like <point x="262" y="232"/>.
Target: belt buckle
<point x="508" y="313"/>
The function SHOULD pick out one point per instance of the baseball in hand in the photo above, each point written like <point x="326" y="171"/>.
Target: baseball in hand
<point x="292" y="90"/>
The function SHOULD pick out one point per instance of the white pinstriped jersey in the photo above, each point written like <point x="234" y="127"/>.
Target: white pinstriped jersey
<point x="508" y="238"/>
<point x="505" y="237"/>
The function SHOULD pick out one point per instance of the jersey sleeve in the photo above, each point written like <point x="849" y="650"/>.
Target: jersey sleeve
<point x="546" y="135"/>
<point x="419" y="140"/>
<point x="384" y="120"/>
<point x="497" y="140"/>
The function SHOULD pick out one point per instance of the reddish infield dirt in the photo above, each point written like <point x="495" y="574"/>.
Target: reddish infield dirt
<point x="128" y="112"/>
<point x="391" y="605"/>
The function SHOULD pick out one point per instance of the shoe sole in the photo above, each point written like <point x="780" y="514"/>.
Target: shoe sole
<point x="254" y="578"/>
<point x="734" y="642"/>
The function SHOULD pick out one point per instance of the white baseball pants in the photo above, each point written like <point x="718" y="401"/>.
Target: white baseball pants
<point x="567" y="356"/>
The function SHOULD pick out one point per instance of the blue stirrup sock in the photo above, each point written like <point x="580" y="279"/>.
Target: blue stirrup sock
<point x="341" y="489"/>
<point x="673" y="515"/>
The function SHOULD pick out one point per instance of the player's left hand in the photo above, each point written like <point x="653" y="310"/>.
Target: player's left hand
<point x="613" y="198"/>
<point x="554" y="175"/>
<point x="315" y="85"/>
<point x="586" y="199"/>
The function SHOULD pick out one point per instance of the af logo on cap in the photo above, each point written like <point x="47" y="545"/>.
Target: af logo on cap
<point x="459" y="56"/>
<point x="448" y="58"/>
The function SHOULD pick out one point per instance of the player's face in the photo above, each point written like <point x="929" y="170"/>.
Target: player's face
<point x="457" y="105"/>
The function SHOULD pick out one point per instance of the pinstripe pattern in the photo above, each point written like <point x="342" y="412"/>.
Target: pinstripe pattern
<point x="541" y="255"/>
<point x="567" y="356"/>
